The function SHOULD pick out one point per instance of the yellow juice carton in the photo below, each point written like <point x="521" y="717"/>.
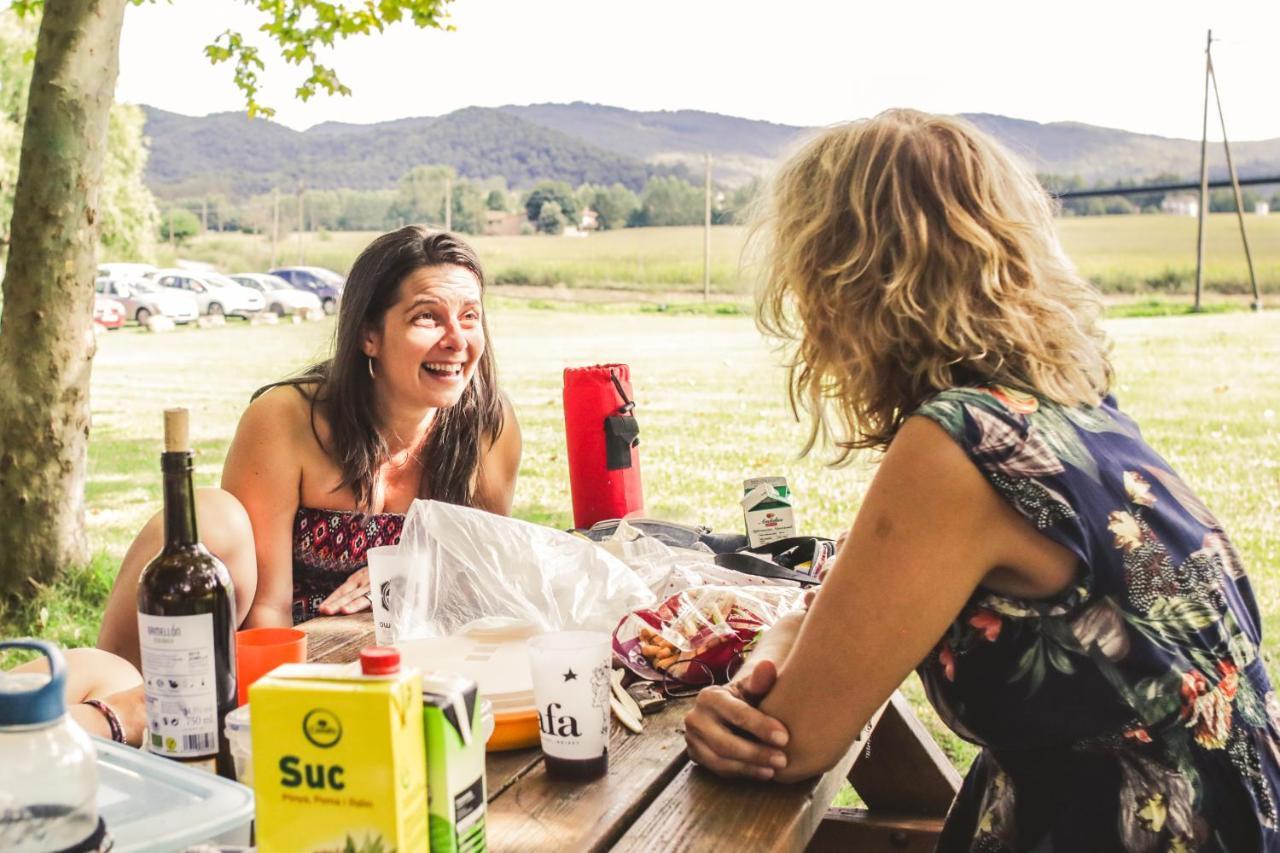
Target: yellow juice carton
<point x="455" y="763"/>
<point x="338" y="757"/>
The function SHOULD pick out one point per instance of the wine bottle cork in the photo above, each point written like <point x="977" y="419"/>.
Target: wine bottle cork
<point x="176" y="434"/>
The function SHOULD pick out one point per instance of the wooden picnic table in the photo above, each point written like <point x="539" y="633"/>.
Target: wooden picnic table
<point x="655" y="799"/>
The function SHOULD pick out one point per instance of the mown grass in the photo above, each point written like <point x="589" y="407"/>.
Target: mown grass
<point x="712" y="410"/>
<point x="1121" y="254"/>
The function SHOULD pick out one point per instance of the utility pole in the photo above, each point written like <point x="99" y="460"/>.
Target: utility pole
<point x="302" y="251"/>
<point x="275" y="223"/>
<point x="1235" y="187"/>
<point x="706" y="233"/>
<point x="1210" y="76"/>
<point x="1204" y="175"/>
<point x="448" y="204"/>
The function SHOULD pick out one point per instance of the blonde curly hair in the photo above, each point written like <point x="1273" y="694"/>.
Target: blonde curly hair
<point x="907" y="254"/>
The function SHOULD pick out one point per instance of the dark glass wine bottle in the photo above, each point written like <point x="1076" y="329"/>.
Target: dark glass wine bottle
<point x="186" y="626"/>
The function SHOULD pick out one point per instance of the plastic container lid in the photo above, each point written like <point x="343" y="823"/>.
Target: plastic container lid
<point x="237" y="721"/>
<point x="379" y="660"/>
<point x="155" y="805"/>
<point x="497" y="661"/>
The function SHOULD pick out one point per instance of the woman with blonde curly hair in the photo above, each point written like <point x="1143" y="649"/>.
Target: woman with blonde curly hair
<point x="1067" y="601"/>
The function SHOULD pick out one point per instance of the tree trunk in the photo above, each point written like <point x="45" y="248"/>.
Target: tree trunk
<point x="46" y="331"/>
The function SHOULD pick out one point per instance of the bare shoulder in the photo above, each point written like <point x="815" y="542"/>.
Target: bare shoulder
<point x="283" y="412"/>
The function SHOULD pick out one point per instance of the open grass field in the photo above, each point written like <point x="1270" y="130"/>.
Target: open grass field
<point x="1206" y="390"/>
<point x="1121" y="254"/>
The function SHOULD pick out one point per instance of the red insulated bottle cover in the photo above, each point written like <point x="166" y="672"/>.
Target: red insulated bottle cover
<point x="602" y="437"/>
<point x="379" y="660"/>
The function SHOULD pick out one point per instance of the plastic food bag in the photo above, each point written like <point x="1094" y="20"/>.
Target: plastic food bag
<point x="472" y="565"/>
<point x="700" y="635"/>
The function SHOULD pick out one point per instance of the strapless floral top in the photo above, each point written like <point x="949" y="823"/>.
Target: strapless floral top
<point x="328" y="546"/>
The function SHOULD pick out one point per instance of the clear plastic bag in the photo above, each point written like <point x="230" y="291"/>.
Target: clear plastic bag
<point x="471" y="566"/>
<point x="700" y="635"/>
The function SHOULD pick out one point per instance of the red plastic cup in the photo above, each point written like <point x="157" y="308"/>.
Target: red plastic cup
<point x="260" y="650"/>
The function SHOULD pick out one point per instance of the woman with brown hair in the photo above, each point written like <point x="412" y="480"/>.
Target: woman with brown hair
<point x="323" y="466"/>
<point x="1069" y="604"/>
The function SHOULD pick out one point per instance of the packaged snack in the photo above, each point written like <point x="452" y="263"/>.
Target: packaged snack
<point x="702" y="634"/>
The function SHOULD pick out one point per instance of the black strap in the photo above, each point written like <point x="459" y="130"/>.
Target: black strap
<point x="627" y="405"/>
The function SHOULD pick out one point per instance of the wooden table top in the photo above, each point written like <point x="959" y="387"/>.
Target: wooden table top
<point x="653" y="797"/>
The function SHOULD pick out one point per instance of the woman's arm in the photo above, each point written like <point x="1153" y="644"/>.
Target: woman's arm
<point x="496" y="480"/>
<point x="929" y="530"/>
<point x="264" y="471"/>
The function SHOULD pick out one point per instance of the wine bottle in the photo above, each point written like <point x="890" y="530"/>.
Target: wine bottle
<point x="186" y="626"/>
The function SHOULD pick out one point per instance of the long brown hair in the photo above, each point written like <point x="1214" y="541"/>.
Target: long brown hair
<point x="344" y="392"/>
<point x="908" y="254"/>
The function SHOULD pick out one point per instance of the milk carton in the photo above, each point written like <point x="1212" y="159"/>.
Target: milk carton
<point x="766" y="504"/>
<point x="338" y="757"/>
<point x="455" y="763"/>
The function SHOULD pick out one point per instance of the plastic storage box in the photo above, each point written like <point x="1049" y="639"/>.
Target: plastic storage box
<point x="154" y="805"/>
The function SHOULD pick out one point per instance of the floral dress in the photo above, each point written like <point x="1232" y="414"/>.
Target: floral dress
<point x="329" y="545"/>
<point x="1131" y="712"/>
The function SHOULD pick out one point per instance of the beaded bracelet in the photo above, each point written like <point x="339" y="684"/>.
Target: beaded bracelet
<point x="113" y="722"/>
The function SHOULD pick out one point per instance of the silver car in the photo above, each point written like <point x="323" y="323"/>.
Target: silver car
<point x="281" y="297"/>
<point x="143" y="300"/>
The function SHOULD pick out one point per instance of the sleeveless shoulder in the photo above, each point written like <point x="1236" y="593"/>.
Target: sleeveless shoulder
<point x="1028" y="450"/>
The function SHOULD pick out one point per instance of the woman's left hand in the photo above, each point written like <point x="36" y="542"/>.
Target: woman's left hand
<point x="729" y="736"/>
<point x="352" y="597"/>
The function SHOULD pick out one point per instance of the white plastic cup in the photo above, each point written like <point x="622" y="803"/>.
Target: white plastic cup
<point x="389" y="584"/>
<point x="571" y="689"/>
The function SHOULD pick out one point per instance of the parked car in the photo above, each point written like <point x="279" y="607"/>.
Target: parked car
<point x="324" y="283"/>
<point x="107" y="312"/>
<point x="143" y="300"/>
<point x="124" y="271"/>
<point x="281" y="297"/>
<point x="214" y="293"/>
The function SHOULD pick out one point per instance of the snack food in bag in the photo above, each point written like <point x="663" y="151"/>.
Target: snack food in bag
<point x="702" y="634"/>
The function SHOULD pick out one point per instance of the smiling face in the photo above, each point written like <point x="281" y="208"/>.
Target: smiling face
<point x="430" y="340"/>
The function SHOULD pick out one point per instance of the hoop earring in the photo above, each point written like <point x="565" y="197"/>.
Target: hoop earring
<point x="369" y="364"/>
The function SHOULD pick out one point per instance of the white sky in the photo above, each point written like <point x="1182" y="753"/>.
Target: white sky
<point x="1132" y="64"/>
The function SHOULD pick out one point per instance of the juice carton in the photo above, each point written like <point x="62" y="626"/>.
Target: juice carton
<point x="338" y="757"/>
<point x="455" y="763"/>
<point x="766" y="504"/>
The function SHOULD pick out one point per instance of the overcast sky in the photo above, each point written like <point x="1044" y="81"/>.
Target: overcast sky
<point x="1132" y="64"/>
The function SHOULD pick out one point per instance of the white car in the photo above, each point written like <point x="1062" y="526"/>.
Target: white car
<point x="120" y="271"/>
<point x="281" y="297"/>
<point x="144" y="299"/>
<point x="216" y="294"/>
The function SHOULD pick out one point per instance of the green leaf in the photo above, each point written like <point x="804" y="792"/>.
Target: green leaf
<point x="1181" y="617"/>
<point x="1060" y="660"/>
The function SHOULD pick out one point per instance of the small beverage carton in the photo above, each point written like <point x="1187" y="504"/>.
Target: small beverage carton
<point x="338" y="757"/>
<point x="766" y="504"/>
<point x="455" y="763"/>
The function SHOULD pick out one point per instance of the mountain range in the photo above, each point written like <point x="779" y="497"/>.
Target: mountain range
<point x="228" y="153"/>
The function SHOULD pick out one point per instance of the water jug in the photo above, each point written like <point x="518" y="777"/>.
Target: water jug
<point x="49" y="783"/>
<point x="603" y="439"/>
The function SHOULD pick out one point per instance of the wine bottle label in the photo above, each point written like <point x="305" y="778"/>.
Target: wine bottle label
<point x="179" y="682"/>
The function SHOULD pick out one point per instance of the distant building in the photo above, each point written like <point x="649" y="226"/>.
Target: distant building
<point x="500" y="223"/>
<point x="590" y="220"/>
<point x="1182" y="204"/>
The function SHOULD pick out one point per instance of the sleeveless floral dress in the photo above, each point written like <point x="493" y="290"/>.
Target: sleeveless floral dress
<point x="330" y="544"/>
<point x="1131" y="712"/>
